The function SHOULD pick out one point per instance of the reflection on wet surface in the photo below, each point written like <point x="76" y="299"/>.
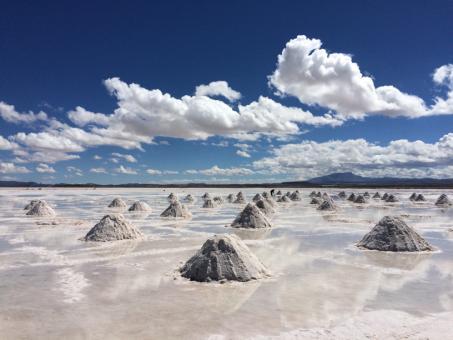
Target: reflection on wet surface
<point x="54" y="285"/>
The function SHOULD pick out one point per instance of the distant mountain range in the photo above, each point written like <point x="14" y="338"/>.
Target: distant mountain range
<point x="341" y="179"/>
<point x="350" y="179"/>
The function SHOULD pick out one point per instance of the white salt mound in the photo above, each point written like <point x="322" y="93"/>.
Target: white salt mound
<point x="295" y="196"/>
<point x="385" y="196"/>
<point x="391" y="199"/>
<point x="172" y="197"/>
<point x="31" y="204"/>
<point x="393" y="234"/>
<point x="257" y="197"/>
<point x="284" y="199"/>
<point x="189" y="198"/>
<point x="351" y="197"/>
<point x="230" y="198"/>
<point x="209" y="203"/>
<point x="140" y="206"/>
<point x="224" y="257"/>
<point x="177" y="210"/>
<point x="117" y="203"/>
<point x="377" y="195"/>
<point x="420" y="198"/>
<point x="342" y="194"/>
<point x="327" y="205"/>
<point x="251" y="217"/>
<point x="239" y="198"/>
<point x="218" y="199"/>
<point x="315" y="200"/>
<point x="413" y="196"/>
<point x="113" y="227"/>
<point x="443" y="200"/>
<point x="265" y="207"/>
<point x="41" y="209"/>
<point x="360" y="199"/>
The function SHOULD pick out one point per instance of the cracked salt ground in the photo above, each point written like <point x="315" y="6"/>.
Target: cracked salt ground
<point x="321" y="284"/>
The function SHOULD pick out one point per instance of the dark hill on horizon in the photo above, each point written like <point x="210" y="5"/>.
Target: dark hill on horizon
<point x="341" y="179"/>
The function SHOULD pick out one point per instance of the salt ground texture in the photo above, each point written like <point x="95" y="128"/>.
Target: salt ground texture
<point x="54" y="286"/>
<point x="224" y="257"/>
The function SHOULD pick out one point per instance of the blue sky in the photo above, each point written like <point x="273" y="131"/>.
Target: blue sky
<point x="112" y="93"/>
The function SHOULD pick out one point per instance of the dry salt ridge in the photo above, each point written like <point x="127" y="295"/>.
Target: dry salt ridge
<point x="287" y="268"/>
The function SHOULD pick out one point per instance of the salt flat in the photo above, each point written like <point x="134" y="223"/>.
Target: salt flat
<point x="53" y="285"/>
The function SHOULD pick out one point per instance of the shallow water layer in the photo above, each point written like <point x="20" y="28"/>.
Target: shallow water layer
<point x="53" y="285"/>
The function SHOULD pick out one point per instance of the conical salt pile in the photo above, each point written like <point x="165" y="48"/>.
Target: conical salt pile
<point x="393" y="234"/>
<point x="239" y="198"/>
<point x="172" y="197"/>
<point x="31" y="204"/>
<point x="312" y="194"/>
<point x="327" y="205"/>
<point x="318" y="194"/>
<point x="420" y="198"/>
<point x="224" y="257"/>
<point x="377" y="195"/>
<point x="206" y="195"/>
<point x="413" y="196"/>
<point x="176" y="209"/>
<point x="351" y="197"/>
<point x="42" y="209"/>
<point x="295" y="196"/>
<point x="443" y="201"/>
<point x="113" y="227"/>
<point x="342" y="194"/>
<point x="279" y="193"/>
<point x="117" y="203"/>
<point x="385" y="196"/>
<point x="251" y="217"/>
<point x="265" y="207"/>
<point x="209" y="203"/>
<point x="268" y="198"/>
<point x="315" y="200"/>
<point x="189" y="198"/>
<point x="391" y="199"/>
<point x="139" y="206"/>
<point x="257" y="197"/>
<point x="218" y="199"/>
<point x="230" y="198"/>
<point x="284" y="199"/>
<point x="359" y="199"/>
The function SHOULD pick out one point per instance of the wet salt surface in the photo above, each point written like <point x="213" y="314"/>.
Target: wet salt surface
<point x="53" y="285"/>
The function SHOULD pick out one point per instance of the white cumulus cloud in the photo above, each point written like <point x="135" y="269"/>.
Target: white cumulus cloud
<point x="218" y="88"/>
<point x="45" y="169"/>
